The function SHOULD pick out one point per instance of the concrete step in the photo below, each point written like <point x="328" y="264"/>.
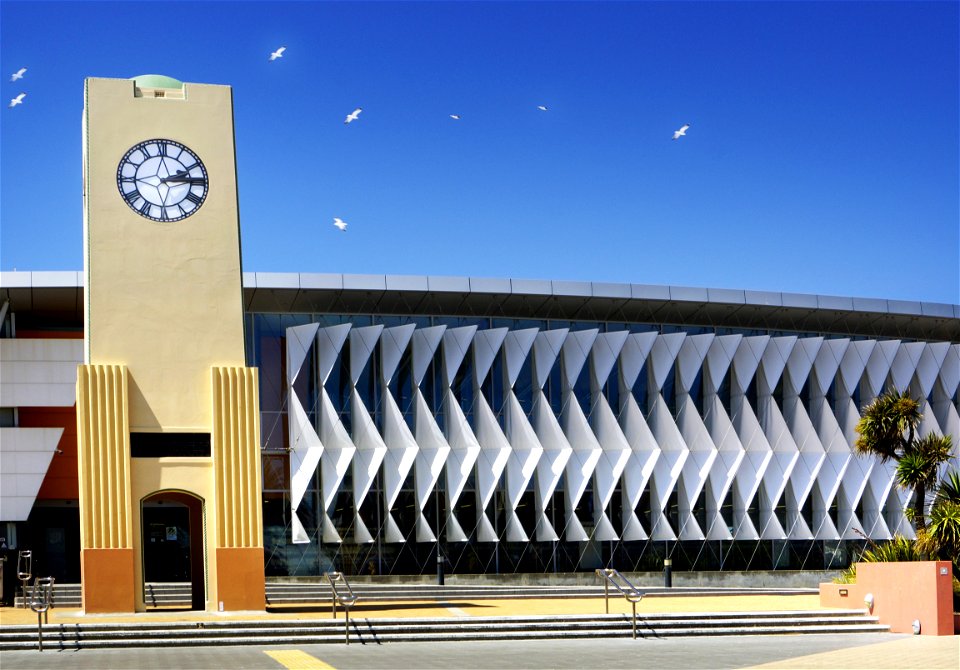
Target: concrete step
<point x="362" y="630"/>
<point x="177" y="594"/>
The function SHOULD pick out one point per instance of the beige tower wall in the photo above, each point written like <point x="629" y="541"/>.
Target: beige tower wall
<point x="163" y="303"/>
<point x="163" y="299"/>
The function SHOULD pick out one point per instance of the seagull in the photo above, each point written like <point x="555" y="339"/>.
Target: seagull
<point x="677" y="134"/>
<point x="542" y="108"/>
<point x="340" y="223"/>
<point x="18" y="100"/>
<point x="455" y="117"/>
<point x="18" y="74"/>
<point x="353" y="116"/>
<point x="278" y="53"/>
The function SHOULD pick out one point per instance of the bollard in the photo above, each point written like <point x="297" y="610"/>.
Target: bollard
<point x="668" y="573"/>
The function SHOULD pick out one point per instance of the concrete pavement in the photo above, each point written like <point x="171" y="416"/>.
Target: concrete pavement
<point x="848" y="652"/>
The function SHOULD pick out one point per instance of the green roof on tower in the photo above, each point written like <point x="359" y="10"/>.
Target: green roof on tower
<point x="157" y="81"/>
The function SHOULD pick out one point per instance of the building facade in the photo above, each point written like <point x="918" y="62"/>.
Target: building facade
<point x="167" y="417"/>
<point x="530" y="426"/>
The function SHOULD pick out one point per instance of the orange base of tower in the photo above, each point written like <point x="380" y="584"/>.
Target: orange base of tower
<point x="107" y="580"/>
<point x="240" y="582"/>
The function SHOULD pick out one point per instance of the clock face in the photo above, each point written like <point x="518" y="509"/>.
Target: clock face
<point x="162" y="180"/>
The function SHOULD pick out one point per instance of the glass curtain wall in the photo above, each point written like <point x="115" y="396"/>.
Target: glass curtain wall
<point x="266" y="347"/>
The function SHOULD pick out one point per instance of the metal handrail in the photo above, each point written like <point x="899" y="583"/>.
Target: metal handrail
<point x="346" y="600"/>
<point x="25" y="573"/>
<point x="40" y="602"/>
<point x="630" y="592"/>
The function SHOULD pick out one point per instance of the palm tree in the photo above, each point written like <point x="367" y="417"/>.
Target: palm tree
<point x="887" y="430"/>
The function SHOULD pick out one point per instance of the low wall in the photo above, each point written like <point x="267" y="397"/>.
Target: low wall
<point x="771" y="579"/>
<point x="902" y="593"/>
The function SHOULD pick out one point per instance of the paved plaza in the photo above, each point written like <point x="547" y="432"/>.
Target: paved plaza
<point x="849" y="652"/>
<point x="873" y="651"/>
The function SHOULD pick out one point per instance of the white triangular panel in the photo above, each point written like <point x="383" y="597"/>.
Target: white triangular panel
<point x="828" y="362"/>
<point x="696" y="468"/>
<point x="516" y="348"/>
<point x="690" y="358"/>
<point x="855" y="363"/>
<point x="433" y="451"/>
<point x="299" y="339"/>
<point x="391" y="531"/>
<point x="718" y="360"/>
<point x="305" y="452"/>
<point x="329" y="343"/>
<point x="556" y="450"/>
<point x="930" y="364"/>
<point x="584" y="456"/>
<point x="526" y="449"/>
<point x="644" y="453"/>
<point x="456" y="343"/>
<point x="576" y="348"/>
<point x="371" y="449"/>
<point x="546" y="348"/>
<point x="328" y="531"/>
<point x="950" y="371"/>
<point x="666" y="472"/>
<point x="662" y="356"/>
<point x="636" y="348"/>
<point x="905" y="365"/>
<point x="338" y="450"/>
<point x="775" y="357"/>
<point x="298" y="534"/>
<point x="745" y="362"/>
<point x="454" y="531"/>
<point x="464" y="448"/>
<point x="514" y="532"/>
<point x="424" y="533"/>
<point x="401" y="453"/>
<point x="494" y="455"/>
<point x="485" y="530"/>
<point x="603" y="357"/>
<point x="878" y="367"/>
<point x="424" y="343"/>
<point x="361" y="534"/>
<point x="393" y="344"/>
<point x="801" y="361"/>
<point x="362" y="343"/>
<point x="615" y="455"/>
<point x="486" y="346"/>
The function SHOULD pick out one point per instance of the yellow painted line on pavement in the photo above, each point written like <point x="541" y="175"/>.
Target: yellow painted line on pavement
<point x="294" y="659"/>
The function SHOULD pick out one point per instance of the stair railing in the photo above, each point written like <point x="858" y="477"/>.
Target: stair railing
<point x="630" y="592"/>
<point x="346" y="600"/>
<point x="40" y="599"/>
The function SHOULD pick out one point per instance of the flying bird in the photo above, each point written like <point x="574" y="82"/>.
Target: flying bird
<point x="278" y="53"/>
<point x="340" y="223"/>
<point x="18" y="74"/>
<point x="18" y="100"/>
<point x="353" y="116"/>
<point x="455" y="117"/>
<point x="542" y="108"/>
<point x="677" y="134"/>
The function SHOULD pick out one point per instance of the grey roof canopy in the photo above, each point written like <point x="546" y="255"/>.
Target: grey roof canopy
<point x="58" y="295"/>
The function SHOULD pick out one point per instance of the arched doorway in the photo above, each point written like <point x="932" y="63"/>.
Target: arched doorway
<point x="173" y="542"/>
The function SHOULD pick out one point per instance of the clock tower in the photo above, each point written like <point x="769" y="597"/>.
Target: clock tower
<point x="167" y="411"/>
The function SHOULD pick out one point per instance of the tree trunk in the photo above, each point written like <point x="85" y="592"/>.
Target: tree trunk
<point x="919" y="502"/>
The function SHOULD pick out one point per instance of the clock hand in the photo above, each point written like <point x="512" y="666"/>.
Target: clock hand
<point x="184" y="179"/>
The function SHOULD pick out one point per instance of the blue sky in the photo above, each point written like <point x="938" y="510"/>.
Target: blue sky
<point x="822" y="156"/>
